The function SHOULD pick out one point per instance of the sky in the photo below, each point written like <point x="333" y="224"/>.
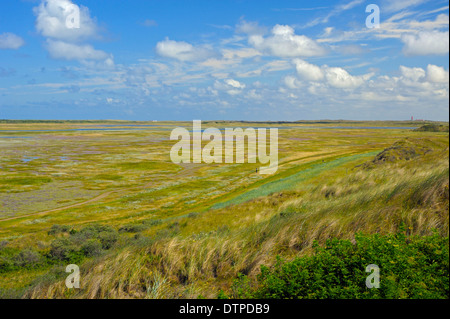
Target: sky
<point x="224" y="60"/>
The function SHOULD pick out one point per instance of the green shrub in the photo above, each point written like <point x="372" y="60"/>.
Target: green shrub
<point x="132" y="228"/>
<point x="65" y="250"/>
<point x="92" y="231"/>
<point x="108" y="239"/>
<point x="410" y="267"/>
<point x="92" y="248"/>
<point x="106" y="234"/>
<point x="12" y="259"/>
<point x="57" y="229"/>
<point x="432" y="128"/>
<point x="73" y="247"/>
<point x="87" y="242"/>
<point x="6" y="264"/>
<point x="28" y="258"/>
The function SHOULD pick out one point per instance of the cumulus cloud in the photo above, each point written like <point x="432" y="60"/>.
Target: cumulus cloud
<point x="67" y="27"/>
<point x="283" y="42"/>
<point x="417" y="87"/>
<point x="230" y="86"/>
<point x="10" y="41"/>
<point x="70" y="51"/>
<point x="334" y="76"/>
<point x="426" y="43"/>
<point x="253" y="95"/>
<point x="308" y="71"/>
<point x="292" y="82"/>
<point x="437" y="74"/>
<point x="235" y="83"/>
<point x="182" y="51"/>
<point x="414" y="74"/>
<point x="433" y="74"/>
<point x="53" y="16"/>
<point x="416" y="84"/>
<point x="340" y="78"/>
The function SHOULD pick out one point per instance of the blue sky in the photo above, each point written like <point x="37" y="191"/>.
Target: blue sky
<point x="229" y="60"/>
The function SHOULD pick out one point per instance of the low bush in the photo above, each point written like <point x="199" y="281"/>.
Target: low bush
<point x="132" y="228"/>
<point x="28" y="258"/>
<point x="57" y="229"/>
<point x="410" y="267"/>
<point x="13" y="259"/>
<point x="90" y="241"/>
<point x="92" y="248"/>
<point x="64" y="249"/>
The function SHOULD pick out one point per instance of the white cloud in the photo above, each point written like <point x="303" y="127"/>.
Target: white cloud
<point x="399" y="26"/>
<point x="70" y="51"/>
<point x="340" y="78"/>
<point x="10" y="41"/>
<point x="182" y="51"/>
<point x="335" y="12"/>
<point x="52" y="17"/>
<point x="308" y="71"/>
<point x="397" y="5"/>
<point x="414" y="74"/>
<point x="426" y="43"/>
<point x="425" y="81"/>
<point x="241" y="53"/>
<point x="277" y="65"/>
<point x="334" y="76"/>
<point x="285" y="43"/>
<point x="248" y="74"/>
<point x="250" y="28"/>
<point x="235" y="83"/>
<point x="414" y="85"/>
<point x="437" y="74"/>
<point x="110" y="100"/>
<point x="219" y="63"/>
<point x="292" y="82"/>
<point x="253" y="95"/>
<point x="230" y="86"/>
<point x="231" y="58"/>
<point x="55" y="20"/>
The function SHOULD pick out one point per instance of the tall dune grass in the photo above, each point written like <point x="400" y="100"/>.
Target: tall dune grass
<point x="379" y="199"/>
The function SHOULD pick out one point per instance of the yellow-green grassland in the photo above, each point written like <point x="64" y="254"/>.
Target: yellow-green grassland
<point x="106" y="196"/>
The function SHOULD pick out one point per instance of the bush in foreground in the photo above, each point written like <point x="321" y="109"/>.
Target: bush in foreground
<point x="410" y="267"/>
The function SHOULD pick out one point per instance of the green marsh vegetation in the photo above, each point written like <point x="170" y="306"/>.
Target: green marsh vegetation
<point x="140" y="226"/>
